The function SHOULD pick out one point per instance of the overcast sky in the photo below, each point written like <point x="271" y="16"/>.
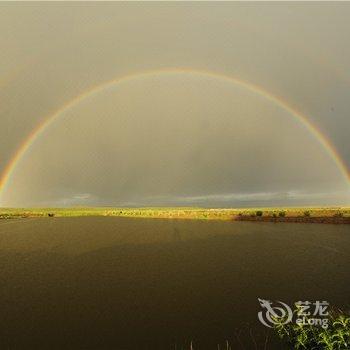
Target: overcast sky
<point x="175" y="138"/>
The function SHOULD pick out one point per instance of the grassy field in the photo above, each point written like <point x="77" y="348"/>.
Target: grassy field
<point x="180" y="213"/>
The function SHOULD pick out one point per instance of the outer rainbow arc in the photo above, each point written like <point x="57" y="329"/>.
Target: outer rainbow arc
<point x="29" y="141"/>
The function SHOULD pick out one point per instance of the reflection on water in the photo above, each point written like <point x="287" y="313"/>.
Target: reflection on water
<point x="71" y="283"/>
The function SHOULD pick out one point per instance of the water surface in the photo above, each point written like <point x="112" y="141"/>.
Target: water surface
<point x="121" y="283"/>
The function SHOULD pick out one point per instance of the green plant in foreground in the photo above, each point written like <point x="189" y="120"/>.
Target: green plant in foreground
<point x="312" y="337"/>
<point x="307" y="213"/>
<point x="259" y="213"/>
<point x="282" y="214"/>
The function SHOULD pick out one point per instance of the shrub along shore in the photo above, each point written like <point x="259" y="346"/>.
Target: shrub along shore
<point x="337" y="215"/>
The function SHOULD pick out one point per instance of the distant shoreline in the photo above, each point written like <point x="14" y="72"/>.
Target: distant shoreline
<point x="325" y="215"/>
<point x="297" y="219"/>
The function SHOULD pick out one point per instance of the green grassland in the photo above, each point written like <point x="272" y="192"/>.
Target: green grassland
<point x="176" y="213"/>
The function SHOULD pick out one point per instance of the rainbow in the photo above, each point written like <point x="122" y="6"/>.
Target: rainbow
<point x="40" y="129"/>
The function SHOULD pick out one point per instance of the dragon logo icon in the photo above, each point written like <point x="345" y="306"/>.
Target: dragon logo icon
<point x="268" y="317"/>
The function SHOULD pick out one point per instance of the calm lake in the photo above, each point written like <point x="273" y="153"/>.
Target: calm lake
<point x="120" y="283"/>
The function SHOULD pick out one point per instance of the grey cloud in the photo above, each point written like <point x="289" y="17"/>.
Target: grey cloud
<point x="170" y="137"/>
